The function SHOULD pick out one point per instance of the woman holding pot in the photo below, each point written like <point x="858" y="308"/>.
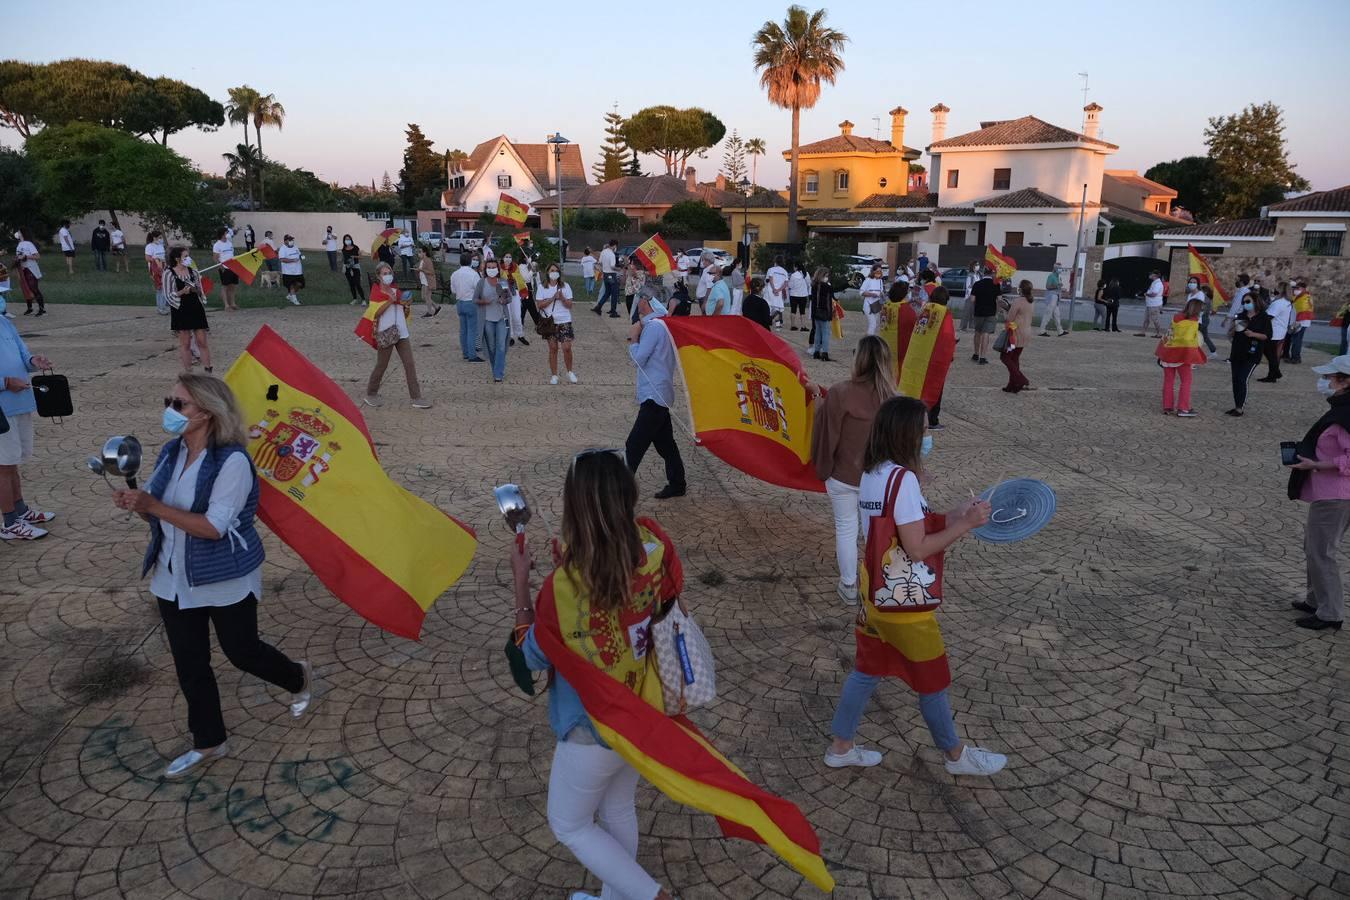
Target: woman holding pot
<point x="205" y="559"/>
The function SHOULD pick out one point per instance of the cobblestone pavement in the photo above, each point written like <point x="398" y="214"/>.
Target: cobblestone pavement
<point x="1170" y="732"/>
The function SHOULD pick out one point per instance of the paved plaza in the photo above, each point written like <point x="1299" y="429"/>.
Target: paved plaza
<point x="1169" y="731"/>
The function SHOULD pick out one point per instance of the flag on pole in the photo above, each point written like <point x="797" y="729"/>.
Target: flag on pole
<point x="521" y="237"/>
<point x="511" y="211"/>
<point x="896" y="329"/>
<point x="384" y="552"/>
<point x="1200" y="269"/>
<point x="929" y="354"/>
<point x="746" y="398"/>
<point x="655" y="255"/>
<point x="1003" y="265"/>
<point x="246" y="265"/>
<point x="267" y="251"/>
<point x="836" y="322"/>
<point x="384" y="239"/>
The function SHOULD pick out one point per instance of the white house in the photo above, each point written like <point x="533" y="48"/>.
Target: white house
<point x="525" y="171"/>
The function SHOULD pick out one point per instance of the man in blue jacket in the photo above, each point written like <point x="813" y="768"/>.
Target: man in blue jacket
<point x="16" y="444"/>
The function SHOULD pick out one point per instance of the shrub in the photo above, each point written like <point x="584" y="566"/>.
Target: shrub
<point x="698" y="218"/>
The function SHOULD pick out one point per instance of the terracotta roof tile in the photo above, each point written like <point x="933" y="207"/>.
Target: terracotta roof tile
<point x="535" y="158"/>
<point x="918" y="200"/>
<point x="1118" y="214"/>
<point x="1027" y="198"/>
<point x="1334" y="200"/>
<point x="1135" y="180"/>
<point x="954" y="211"/>
<point x="1026" y="130"/>
<point x="853" y="143"/>
<point x="1230" y="228"/>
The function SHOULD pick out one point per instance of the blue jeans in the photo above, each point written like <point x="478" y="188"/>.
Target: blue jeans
<point x="468" y="328"/>
<point x="822" y="341"/>
<point x="100" y="260"/>
<point x="590" y="284"/>
<point x="858" y="688"/>
<point x="1345" y="339"/>
<point x="496" y="346"/>
<point x="610" y="290"/>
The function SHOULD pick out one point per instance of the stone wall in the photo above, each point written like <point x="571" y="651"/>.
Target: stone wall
<point x="1328" y="276"/>
<point x="1289" y="235"/>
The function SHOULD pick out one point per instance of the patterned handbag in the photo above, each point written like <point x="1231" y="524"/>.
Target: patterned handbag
<point x="684" y="661"/>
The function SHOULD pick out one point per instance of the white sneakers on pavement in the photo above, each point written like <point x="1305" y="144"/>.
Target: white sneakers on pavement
<point x="976" y="761"/>
<point x="856" y="756"/>
<point x="304" y="700"/>
<point x="421" y="403"/>
<point x="553" y="379"/>
<point x="21" y="531"/>
<point x="193" y="758"/>
<point x="37" y="517"/>
<point x="294" y="300"/>
<point x="572" y="377"/>
<point x="847" y="593"/>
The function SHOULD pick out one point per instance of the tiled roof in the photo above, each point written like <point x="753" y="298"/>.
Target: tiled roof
<point x="1334" y="200"/>
<point x="1027" y="198"/>
<point x="840" y="214"/>
<point x="852" y="143"/>
<point x="630" y="190"/>
<point x="1026" y="130"/>
<point x="1231" y="228"/>
<point x="1135" y="180"/>
<point x="918" y="200"/>
<point x="954" y="211"/>
<point x="1118" y="214"/>
<point x="535" y="158"/>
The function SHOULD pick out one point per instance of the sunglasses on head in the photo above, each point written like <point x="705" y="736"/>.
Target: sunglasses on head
<point x="176" y="403"/>
<point x="596" y="451"/>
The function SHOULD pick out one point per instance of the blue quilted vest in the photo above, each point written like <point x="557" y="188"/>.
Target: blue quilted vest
<point x="208" y="561"/>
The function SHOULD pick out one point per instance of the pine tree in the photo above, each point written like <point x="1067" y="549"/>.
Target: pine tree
<point x="634" y="166"/>
<point x="423" y="168"/>
<point x="387" y="184"/>
<point x="733" y="158"/>
<point x="611" y="162"/>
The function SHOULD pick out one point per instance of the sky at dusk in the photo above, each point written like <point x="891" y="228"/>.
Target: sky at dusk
<point x="528" y="68"/>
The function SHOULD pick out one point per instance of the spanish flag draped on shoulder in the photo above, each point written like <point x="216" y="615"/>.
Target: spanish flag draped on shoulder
<point x="384" y="552"/>
<point x="622" y="697"/>
<point x="1003" y="265"/>
<point x="1199" y="268"/>
<point x="655" y="256"/>
<point x="746" y="398"/>
<point x="511" y="211"/>
<point x="932" y="346"/>
<point x="897" y="329"/>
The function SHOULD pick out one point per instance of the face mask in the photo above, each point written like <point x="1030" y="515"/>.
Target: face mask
<point x="187" y="261"/>
<point x="18" y="236"/>
<point x="492" y="271"/>
<point x="347" y="241"/>
<point x="2" y="304"/>
<point x="476" y="263"/>
<point x="925" y="445"/>
<point x="290" y="243"/>
<point x="1191" y="285"/>
<point x="1324" y="387"/>
<point x="387" y="278"/>
<point x="173" y="422"/>
<point x="553" y="276"/>
<point x="506" y="260"/>
<point x="1249" y="307"/>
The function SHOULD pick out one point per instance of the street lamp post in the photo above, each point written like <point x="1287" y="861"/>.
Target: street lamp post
<point x="557" y="140"/>
<point x="746" y="190"/>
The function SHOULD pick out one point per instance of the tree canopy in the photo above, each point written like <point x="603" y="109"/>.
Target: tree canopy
<point x="673" y="134"/>
<point x="1250" y="160"/>
<point x="423" y="168"/>
<point x="20" y="196"/>
<point x="1196" y="181"/>
<point x="694" y="218"/>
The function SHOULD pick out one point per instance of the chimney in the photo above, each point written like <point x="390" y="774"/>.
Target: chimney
<point x="846" y="127"/>
<point x="898" y="127"/>
<point x="1092" y="120"/>
<point x="690" y="181"/>
<point x="721" y="182"/>
<point x="551" y="166"/>
<point x="939" y="122"/>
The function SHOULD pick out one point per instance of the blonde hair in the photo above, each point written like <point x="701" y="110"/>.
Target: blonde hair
<point x="214" y="397"/>
<point x="872" y="364"/>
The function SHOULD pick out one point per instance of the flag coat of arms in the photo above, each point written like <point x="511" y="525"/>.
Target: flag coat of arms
<point x="932" y="346"/>
<point x="511" y="211"/>
<point x="746" y="398"/>
<point x="655" y="255"/>
<point x="381" y="550"/>
<point x="1003" y="265"/>
<point x="1199" y="268"/>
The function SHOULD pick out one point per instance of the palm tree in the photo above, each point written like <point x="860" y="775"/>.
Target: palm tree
<point x="245" y="162"/>
<point x="794" y="58"/>
<point x="267" y="112"/>
<point x="240" y="107"/>
<point x="754" y="148"/>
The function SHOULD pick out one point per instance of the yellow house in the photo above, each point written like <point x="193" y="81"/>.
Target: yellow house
<point x="844" y="170"/>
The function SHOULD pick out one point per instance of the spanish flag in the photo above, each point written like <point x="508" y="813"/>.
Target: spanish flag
<point x="746" y="398"/>
<point x="380" y="298"/>
<point x="624" y="702"/>
<point x="1200" y="269"/>
<point x="246" y="265"/>
<point x="384" y="552"/>
<point x="267" y="251"/>
<point x="1181" y="346"/>
<point x="837" y="322"/>
<point x="1003" y="265"/>
<point x="932" y="346"/>
<point x="385" y="238"/>
<point x="897" y="328"/>
<point x="655" y="256"/>
<point x="1303" y="307"/>
<point x="511" y="211"/>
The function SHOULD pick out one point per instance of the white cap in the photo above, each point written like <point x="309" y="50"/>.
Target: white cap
<point x="1338" y="366"/>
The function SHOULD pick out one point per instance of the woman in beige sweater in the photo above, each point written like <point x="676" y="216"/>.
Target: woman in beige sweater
<point x="843" y="423"/>
<point x="426" y="276"/>
<point x="1017" y="324"/>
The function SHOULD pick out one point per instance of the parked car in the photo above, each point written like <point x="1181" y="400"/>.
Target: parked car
<point x="465" y="240"/>
<point x="859" y="267"/>
<point x="722" y="257"/>
<point x="431" y="238"/>
<point x="954" y="280"/>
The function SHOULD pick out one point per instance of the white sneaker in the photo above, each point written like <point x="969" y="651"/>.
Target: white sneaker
<point x="21" y="531"/>
<point x="294" y="300"/>
<point x="421" y="403"/>
<point x="847" y="593"/>
<point x="572" y="377"/>
<point x="553" y="380"/>
<point x="856" y="756"/>
<point x="372" y="400"/>
<point x="191" y="759"/>
<point x="304" y="700"/>
<point x="582" y="895"/>
<point x="37" y="517"/>
<point x="977" y="761"/>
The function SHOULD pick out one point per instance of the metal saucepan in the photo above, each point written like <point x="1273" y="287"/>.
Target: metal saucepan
<point x="121" y="456"/>
<point x="515" y="509"/>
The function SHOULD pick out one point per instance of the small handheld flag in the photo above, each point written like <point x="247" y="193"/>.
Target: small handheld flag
<point x="655" y="256"/>
<point x="246" y="265"/>
<point x="1200" y="269"/>
<point x="1003" y="265"/>
<point x="511" y="211"/>
<point x="384" y="239"/>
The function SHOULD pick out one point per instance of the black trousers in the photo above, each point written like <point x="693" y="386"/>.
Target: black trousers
<point x="934" y="411"/>
<point x="189" y="634"/>
<point x="1272" y="352"/>
<point x="1112" y="317"/>
<point x="528" y="308"/>
<point x="1242" y="374"/>
<point x="354" y="283"/>
<point x="653" y="427"/>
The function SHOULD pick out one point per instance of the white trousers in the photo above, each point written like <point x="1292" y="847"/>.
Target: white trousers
<point x="873" y="322"/>
<point x="517" y="327"/>
<point x="847" y="524"/>
<point x="1051" y="311"/>
<point x="590" y="783"/>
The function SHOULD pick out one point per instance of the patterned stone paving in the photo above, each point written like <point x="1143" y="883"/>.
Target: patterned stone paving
<point x="1169" y="732"/>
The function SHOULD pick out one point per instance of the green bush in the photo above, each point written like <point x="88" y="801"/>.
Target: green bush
<point x="698" y="218"/>
<point x="610" y="220"/>
<point x="830" y="253"/>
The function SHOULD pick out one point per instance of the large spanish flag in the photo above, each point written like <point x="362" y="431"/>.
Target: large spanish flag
<point x="655" y="256"/>
<point x="932" y="346"/>
<point x="511" y="211"/>
<point x="1003" y="265"/>
<point x="384" y="552"/>
<point x="897" y="328"/>
<point x="380" y="298"/>
<point x="746" y="398"/>
<point x="1303" y="307"/>
<point x="246" y="265"/>
<point x="1200" y="269"/>
<point x="667" y="750"/>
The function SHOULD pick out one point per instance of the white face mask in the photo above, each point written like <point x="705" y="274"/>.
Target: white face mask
<point x="506" y="260"/>
<point x="290" y="243"/>
<point x="18" y="236"/>
<point x="387" y="278"/>
<point x="492" y="271"/>
<point x="554" y="276"/>
<point x="1249" y="307"/>
<point x="1191" y="285"/>
<point x="1325" y="387"/>
<point x="347" y="241"/>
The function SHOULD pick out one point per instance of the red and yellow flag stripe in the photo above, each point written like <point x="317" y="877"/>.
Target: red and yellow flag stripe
<point x="381" y="550"/>
<point x="246" y="265"/>
<point x="1199" y="268"/>
<point x="897" y="329"/>
<point x="1003" y="265"/>
<point x="655" y="255"/>
<point x="929" y="354"/>
<point x="511" y="211"/>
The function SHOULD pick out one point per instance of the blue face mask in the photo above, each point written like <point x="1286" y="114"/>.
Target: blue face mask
<point x="173" y="421"/>
<point x="2" y="304"/>
<point x="926" y="445"/>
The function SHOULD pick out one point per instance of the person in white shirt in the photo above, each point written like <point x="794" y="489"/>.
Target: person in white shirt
<point x="30" y="274"/>
<point x="271" y="242"/>
<point x="1153" y="304"/>
<point x="67" y="246"/>
<point x="776" y="287"/>
<point x="118" y="240"/>
<point x="292" y="269"/>
<point x="799" y="296"/>
<point x="682" y="268"/>
<point x="588" y="263"/>
<point x="223" y="251"/>
<point x="330" y="244"/>
<point x="555" y="302"/>
<point x="1281" y="313"/>
<point x="154" y="264"/>
<point x="249" y="239"/>
<point x="873" y="290"/>
<point x="406" y="246"/>
<point x="463" y="281"/>
<point x="707" y="262"/>
<point x="1050" y="312"/>
<point x="968" y="302"/>
<point x="609" y="280"/>
<point x="1243" y="286"/>
<point x="1193" y="292"/>
<point x="736" y="280"/>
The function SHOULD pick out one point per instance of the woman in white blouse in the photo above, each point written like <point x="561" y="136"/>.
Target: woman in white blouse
<point x="391" y="320"/>
<point x="206" y="558"/>
<point x="873" y="292"/>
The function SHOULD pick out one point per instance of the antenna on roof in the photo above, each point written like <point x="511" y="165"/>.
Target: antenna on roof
<point x="876" y="126"/>
<point x="1083" y="75"/>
